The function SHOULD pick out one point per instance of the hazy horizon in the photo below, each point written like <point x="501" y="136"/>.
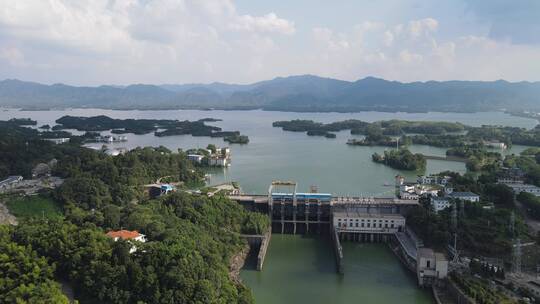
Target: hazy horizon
<point x="255" y="82"/>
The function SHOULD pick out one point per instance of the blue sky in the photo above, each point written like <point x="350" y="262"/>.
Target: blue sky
<point x="92" y="42"/>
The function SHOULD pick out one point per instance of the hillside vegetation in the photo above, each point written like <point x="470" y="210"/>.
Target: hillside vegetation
<point x="304" y="93"/>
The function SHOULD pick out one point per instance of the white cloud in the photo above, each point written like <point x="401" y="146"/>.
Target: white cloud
<point x="157" y="41"/>
<point x="12" y="56"/>
<point x="329" y="39"/>
<point x="269" y="23"/>
<point x="414" y="51"/>
<point x="420" y="27"/>
<point x="407" y="57"/>
<point x="388" y="38"/>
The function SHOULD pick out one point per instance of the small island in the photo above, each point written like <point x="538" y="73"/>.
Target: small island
<point x="237" y="139"/>
<point x="401" y="159"/>
<point x="313" y="128"/>
<point x="23" y="121"/>
<point x="386" y="127"/>
<point x="160" y="127"/>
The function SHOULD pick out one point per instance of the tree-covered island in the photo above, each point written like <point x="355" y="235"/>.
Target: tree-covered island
<point x="401" y="159"/>
<point x="160" y="127"/>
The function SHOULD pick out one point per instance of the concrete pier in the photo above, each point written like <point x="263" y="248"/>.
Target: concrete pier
<point x="338" y="250"/>
<point x="262" y="250"/>
<point x="261" y="241"/>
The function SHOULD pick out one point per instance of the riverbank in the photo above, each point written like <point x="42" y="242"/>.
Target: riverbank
<point x="236" y="263"/>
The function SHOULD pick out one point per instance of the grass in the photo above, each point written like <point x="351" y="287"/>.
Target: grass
<point x="34" y="206"/>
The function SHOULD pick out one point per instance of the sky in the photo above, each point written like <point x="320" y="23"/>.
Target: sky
<point x="95" y="42"/>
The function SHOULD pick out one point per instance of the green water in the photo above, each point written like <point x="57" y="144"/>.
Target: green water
<point x="302" y="270"/>
<point x="272" y="153"/>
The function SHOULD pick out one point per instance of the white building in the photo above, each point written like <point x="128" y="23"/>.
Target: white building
<point x="466" y="196"/>
<point x="440" y="203"/>
<point x="433" y="180"/>
<point x="354" y="221"/>
<point x="127" y="235"/>
<point x="226" y="151"/>
<point x="518" y="188"/>
<point x="57" y="141"/>
<point x="510" y="180"/>
<point x="116" y="152"/>
<point x="218" y="162"/>
<point x="495" y="144"/>
<point x="408" y="195"/>
<point x="430" y="266"/>
<point x="412" y="192"/>
<point x="195" y="158"/>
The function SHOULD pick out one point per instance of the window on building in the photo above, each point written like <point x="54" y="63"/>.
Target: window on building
<point x="356" y="224"/>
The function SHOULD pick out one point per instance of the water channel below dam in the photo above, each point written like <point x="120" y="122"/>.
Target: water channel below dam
<point x="301" y="269"/>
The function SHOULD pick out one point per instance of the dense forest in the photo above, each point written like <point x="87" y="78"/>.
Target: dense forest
<point x="385" y="127"/>
<point x="402" y="159"/>
<point x="191" y="239"/>
<point x="477" y="156"/>
<point x="433" y="133"/>
<point x="160" y="127"/>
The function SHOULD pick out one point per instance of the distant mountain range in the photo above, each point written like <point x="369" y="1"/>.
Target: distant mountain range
<point x="303" y="93"/>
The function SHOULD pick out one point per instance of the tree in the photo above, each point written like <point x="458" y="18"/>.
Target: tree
<point x="26" y="277"/>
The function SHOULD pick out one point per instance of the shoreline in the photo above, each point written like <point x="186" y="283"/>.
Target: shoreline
<point x="236" y="263"/>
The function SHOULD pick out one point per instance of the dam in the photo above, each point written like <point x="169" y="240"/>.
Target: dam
<point x="356" y="219"/>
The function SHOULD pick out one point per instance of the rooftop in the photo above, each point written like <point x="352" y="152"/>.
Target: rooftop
<point x="352" y="213"/>
<point x="461" y="194"/>
<point x="426" y="252"/>
<point x="124" y="234"/>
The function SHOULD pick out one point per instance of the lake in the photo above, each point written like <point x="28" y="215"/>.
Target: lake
<point x="301" y="269"/>
<point x="272" y="153"/>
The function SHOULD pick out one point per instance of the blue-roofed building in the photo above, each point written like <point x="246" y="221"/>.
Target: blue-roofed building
<point x="166" y="188"/>
<point x="466" y="196"/>
<point x="302" y="197"/>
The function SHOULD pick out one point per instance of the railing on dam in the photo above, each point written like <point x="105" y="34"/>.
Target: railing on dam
<point x="336" y="200"/>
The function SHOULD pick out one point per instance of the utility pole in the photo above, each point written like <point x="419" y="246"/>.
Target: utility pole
<point x="455" y="228"/>
<point x="517" y="252"/>
<point x="517" y="257"/>
<point x="512" y="224"/>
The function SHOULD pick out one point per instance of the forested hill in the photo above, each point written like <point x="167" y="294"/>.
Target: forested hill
<point x="294" y="93"/>
<point x="190" y="239"/>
